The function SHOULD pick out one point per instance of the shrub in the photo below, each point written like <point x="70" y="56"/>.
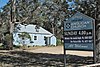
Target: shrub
<point x="16" y="46"/>
<point x="59" y="42"/>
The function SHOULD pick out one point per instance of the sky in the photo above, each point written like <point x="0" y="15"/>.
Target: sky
<point x="3" y="2"/>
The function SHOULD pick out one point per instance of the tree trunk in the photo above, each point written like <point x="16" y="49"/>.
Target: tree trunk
<point x="11" y="36"/>
<point x="0" y="37"/>
<point x="53" y="29"/>
<point x="11" y="24"/>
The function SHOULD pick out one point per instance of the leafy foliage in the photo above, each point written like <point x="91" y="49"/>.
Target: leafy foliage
<point x="25" y="35"/>
<point x="49" y="14"/>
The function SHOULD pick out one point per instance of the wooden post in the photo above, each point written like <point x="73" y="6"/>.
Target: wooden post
<point x="64" y="58"/>
<point x="94" y="43"/>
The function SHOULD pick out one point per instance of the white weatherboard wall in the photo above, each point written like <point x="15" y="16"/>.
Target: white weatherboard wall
<point x="30" y="29"/>
<point x="40" y="39"/>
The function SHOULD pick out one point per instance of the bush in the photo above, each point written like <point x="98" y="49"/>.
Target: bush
<point x="59" y="42"/>
<point x="16" y="46"/>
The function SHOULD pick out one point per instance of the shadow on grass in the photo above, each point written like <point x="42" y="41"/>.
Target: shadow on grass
<point x="29" y="59"/>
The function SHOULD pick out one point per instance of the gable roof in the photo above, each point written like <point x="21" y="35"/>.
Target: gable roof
<point x="79" y="21"/>
<point x="81" y="15"/>
<point x="30" y="28"/>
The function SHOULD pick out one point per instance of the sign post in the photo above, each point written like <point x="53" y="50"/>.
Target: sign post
<point x="79" y="33"/>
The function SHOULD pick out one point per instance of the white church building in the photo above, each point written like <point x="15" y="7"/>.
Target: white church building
<point x="38" y="36"/>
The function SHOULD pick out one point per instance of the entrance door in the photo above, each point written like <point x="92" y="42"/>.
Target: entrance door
<point x="47" y="40"/>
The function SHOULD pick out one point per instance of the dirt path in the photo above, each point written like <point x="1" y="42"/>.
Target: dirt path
<point x="59" y="50"/>
<point x="43" y="57"/>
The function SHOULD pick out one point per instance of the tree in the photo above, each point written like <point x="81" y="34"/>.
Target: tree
<point x="10" y="15"/>
<point x="49" y="14"/>
<point x="24" y="36"/>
